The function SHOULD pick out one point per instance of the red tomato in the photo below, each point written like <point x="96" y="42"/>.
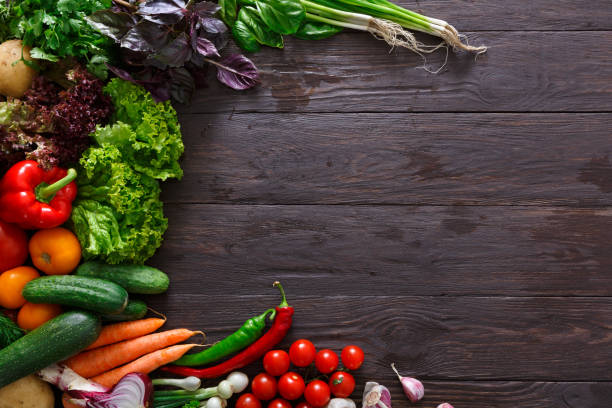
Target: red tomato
<point x="303" y="404"/>
<point x="326" y="361"/>
<point x="317" y="393"/>
<point x="276" y="362"/>
<point x="13" y="246"/>
<point x="279" y="403"/>
<point x="302" y="353"/>
<point x="352" y="357"/>
<point x="341" y="384"/>
<point x="291" y="386"/>
<point x="264" y="386"/>
<point x="248" y="401"/>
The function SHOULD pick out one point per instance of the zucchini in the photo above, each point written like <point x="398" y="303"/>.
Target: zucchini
<point x="140" y="279"/>
<point x="55" y="340"/>
<point x="135" y="309"/>
<point x="93" y="294"/>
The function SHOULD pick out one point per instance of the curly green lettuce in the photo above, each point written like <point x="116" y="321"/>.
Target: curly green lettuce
<point x="118" y="216"/>
<point x="148" y="133"/>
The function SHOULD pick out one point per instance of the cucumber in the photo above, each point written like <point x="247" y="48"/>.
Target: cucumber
<point x="135" y="309"/>
<point x="140" y="279"/>
<point x="56" y="340"/>
<point x="93" y="294"/>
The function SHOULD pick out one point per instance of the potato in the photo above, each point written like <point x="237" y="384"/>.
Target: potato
<point x="15" y="79"/>
<point x="29" y="392"/>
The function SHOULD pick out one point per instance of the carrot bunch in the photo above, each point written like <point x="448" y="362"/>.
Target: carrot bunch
<point x="128" y="347"/>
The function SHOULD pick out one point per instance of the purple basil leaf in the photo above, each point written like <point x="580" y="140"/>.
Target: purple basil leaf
<point x="237" y="72"/>
<point x="126" y="76"/>
<point x="111" y="24"/>
<point x="145" y="36"/>
<point x="176" y="53"/>
<point x="205" y="47"/>
<point x="163" y="11"/>
<point x="159" y="92"/>
<point x="132" y="58"/>
<point x="182" y="85"/>
<point x="215" y="30"/>
<point x="205" y="8"/>
<point x="156" y="84"/>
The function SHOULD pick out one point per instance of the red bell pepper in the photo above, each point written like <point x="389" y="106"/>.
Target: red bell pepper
<point x="34" y="198"/>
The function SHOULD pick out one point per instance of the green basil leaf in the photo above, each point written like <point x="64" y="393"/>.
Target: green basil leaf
<point x="316" y="31"/>
<point x="244" y="38"/>
<point x="250" y="17"/>
<point x="228" y="12"/>
<point x="282" y="16"/>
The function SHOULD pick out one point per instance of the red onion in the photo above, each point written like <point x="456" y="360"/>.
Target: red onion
<point x="135" y="390"/>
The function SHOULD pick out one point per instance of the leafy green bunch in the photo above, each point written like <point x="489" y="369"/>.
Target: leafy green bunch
<point x="57" y="29"/>
<point x="118" y="216"/>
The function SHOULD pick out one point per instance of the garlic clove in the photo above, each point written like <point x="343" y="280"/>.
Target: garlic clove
<point x="445" y="405"/>
<point x="413" y="389"/>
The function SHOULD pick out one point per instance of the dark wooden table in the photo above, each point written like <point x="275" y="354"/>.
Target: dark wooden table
<point x="459" y="224"/>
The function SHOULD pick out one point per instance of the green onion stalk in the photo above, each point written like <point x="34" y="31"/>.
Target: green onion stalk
<point x="386" y="21"/>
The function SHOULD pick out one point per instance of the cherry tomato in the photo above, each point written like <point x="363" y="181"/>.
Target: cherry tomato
<point x="13" y="246"/>
<point x="302" y="352"/>
<point x="317" y="393"/>
<point x="32" y="315"/>
<point x="276" y="362"/>
<point x="342" y="384"/>
<point x="352" y="357"/>
<point x="291" y="386"/>
<point x="12" y="283"/>
<point x="303" y="404"/>
<point x="326" y="361"/>
<point x="279" y="403"/>
<point x="264" y="386"/>
<point x="248" y="401"/>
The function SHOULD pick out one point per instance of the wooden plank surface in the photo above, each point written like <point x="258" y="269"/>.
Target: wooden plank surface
<point x="353" y="72"/>
<point x="535" y="15"/>
<point x="441" y="159"/>
<point x="432" y="250"/>
<point x="457" y="224"/>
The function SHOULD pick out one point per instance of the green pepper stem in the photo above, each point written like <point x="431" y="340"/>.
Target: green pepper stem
<point x="282" y="291"/>
<point x="45" y="192"/>
<point x="271" y="312"/>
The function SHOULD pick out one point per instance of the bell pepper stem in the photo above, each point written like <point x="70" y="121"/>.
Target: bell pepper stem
<point x="282" y="291"/>
<point x="45" y="192"/>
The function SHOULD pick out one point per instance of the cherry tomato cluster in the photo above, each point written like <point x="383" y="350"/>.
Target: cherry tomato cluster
<point x="291" y="386"/>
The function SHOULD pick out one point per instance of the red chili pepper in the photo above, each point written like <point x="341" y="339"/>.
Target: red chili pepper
<point x="278" y="331"/>
<point x="35" y="198"/>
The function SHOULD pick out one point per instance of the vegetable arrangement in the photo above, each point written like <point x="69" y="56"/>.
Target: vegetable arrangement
<point x="82" y="157"/>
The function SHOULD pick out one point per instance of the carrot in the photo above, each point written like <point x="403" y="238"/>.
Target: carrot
<point x="126" y="330"/>
<point x="144" y="364"/>
<point x="91" y="363"/>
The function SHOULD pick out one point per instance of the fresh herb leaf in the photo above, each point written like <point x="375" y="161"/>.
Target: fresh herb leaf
<point x="264" y="35"/>
<point x="244" y="37"/>
<point x="112" y="24"/>
<point x="228" y="12"/>
<point x="9" y="331"/>
<point x="237" y="72"/>
<point x="163" y="11"/>
<point x="316" y="31"/>
<point x="282" y="16"/>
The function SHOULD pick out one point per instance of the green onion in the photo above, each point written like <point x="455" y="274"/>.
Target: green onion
<point x="386" y="21"/>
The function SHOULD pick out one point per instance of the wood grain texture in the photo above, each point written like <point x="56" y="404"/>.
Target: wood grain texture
<point x="329" y="250"/>
<point x="434" y="338"/>
<point x="563" y="15"/>
<point x="441" y="159"/>
<point x="352" y="72"/>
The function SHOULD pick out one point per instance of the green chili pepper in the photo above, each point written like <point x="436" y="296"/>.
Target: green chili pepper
<point x="250" y="331"/>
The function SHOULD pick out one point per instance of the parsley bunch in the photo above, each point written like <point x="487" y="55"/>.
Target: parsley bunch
<point x="57" y="29"/>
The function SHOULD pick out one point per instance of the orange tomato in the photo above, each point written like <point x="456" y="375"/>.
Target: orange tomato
<point x="32" y="315"/>
<point x="12" y="283"/>
<point x="55" y="251"/>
